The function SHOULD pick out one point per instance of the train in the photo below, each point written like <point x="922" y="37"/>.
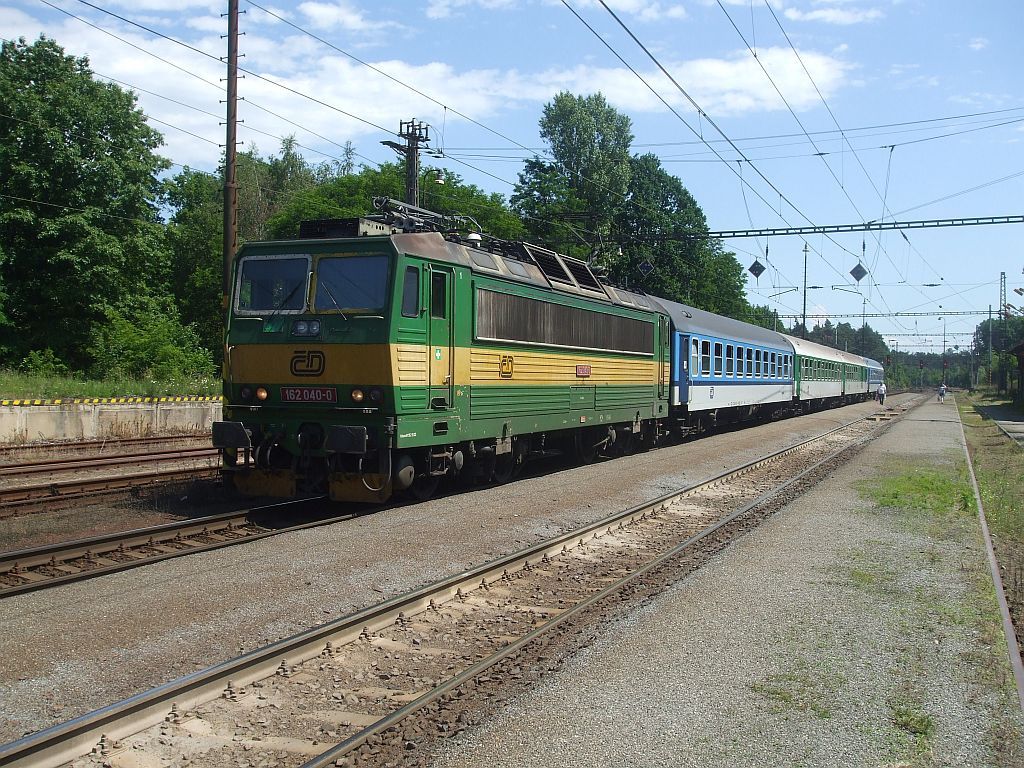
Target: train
<point x="379" y="355"/>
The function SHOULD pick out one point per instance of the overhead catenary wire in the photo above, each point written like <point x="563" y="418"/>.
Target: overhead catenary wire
<point x="799" y="122"/>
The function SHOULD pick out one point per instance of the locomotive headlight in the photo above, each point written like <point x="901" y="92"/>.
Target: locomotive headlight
<point x="376" y="395"/>
<point x="245" y="392"/>
<point x="306" y="328"/>
<point x="261" y="393"/>
<point x="357" y="395"/>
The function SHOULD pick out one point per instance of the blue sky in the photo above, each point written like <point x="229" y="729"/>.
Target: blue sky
<point x="927" y="94"/>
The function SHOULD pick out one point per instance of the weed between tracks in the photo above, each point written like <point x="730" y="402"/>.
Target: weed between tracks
<point x="947" y="595"/>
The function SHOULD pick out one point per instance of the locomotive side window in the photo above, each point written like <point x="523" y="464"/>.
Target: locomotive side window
<point x="438" y="294"/>
<point x="705" y="358"/>
<point x="411" y="292"/>
<point x="718" y="358"/>
<point x="729" y="356"/>
<point x="352" y="283"/>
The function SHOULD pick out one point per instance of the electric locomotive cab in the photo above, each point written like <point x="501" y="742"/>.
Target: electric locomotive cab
<point x="307" y="365"/>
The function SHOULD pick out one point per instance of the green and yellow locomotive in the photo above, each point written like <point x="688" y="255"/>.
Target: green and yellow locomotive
<point x="381" y="354"/>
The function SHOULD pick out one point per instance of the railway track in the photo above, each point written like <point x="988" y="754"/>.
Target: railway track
<point x="11" y="453"/>
<point x="202" y="461"/>
<point x="377" y="686"/>
<point x="28" y="570"/>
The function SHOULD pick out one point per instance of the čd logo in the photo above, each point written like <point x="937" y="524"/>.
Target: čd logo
<point x="507" y="365"/>
<point x="308" y="362"/>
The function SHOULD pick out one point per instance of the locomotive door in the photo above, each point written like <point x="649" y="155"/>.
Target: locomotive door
<point x="681" y="371"/>
<point x="664" y="339"/>
<point x="440" y="338"/>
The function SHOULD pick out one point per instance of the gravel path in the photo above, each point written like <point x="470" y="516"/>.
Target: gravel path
<point x="66" y="651"/>
<point x="827" y="637"/>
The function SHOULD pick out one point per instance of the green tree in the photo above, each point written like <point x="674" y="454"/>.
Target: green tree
<point x="352" y="196"/>
<point x="79" y="228"/>
<point x="195" y="238"/>
<point x="145" y="338"/>
<point x="662" y="231"/>
<point x="588" y="177"/>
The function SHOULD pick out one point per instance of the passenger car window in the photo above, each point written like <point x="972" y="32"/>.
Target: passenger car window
<point x="718" y="358"/>
<point x="729" y="359"/>
<point x="705" y="358"/>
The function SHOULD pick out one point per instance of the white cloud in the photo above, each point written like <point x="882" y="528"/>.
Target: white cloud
<point x="978" y="43"/>
<point x="644" y="10"/>
<point x="835" y="15"/>
<point x="443" y="9"/>
<point x="729" y="85"/>
<point x="165" y="5"/>
<point x="343" y="14"/>
<point x="212" y="24"/>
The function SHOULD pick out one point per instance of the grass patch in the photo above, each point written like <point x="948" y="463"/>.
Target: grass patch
<point x="15" y="385"/>
<point x="999" y="468"/>
<point x="913" y="720"/>
<point x="800" y="690"/>
<point x="916" y="729"/>
<point x="938" y="505"/>
<point x="934" y="492"/>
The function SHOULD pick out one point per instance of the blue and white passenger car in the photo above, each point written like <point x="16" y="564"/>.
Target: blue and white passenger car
<point x="876" y="374"/>
<point x="724" y="370"/>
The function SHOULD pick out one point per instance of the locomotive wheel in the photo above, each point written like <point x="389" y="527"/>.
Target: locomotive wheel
<point x="504" y="468"/>
<point x="424" y="486"/>
<point x="586" y="446"/>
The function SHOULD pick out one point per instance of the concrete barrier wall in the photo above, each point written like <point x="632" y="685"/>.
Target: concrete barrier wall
<point x="96" y="420"/>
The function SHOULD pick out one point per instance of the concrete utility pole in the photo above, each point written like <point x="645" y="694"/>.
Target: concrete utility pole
<point x="1003" y="383"/>
<point x="990" y="345"/>
<point x="414" y="133"/>
<point x="804" y="334"/>
<point x="230" y="183"/>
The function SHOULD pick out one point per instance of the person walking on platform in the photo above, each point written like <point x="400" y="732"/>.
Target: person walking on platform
<point x="942" y="392"/>
<point x="881" y="393"/>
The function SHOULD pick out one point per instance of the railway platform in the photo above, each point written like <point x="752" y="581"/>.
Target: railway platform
<point x="840" y="632"/>
<point x="1008" y="419"/>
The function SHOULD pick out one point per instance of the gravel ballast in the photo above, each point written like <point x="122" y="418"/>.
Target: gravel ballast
<point x="67" y="651"/>
<point x="838" y="633"/>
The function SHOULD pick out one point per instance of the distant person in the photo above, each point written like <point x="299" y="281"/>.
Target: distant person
<point x="881" y="393"/>
<point x="942" y="392"/>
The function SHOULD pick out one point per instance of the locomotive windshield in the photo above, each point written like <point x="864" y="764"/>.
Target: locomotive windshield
<point x="276" y="284"/>
<point x="352" y="283"/>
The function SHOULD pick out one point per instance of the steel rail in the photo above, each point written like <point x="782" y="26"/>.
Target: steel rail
<point x="26" y="495"/>
<point x="1010" y="633"/>
<point x="80" y="463"/>
<point x="101" y="555"/>
<point x="79" y="446"/>
<point x="333" y="755"/>
<point x="64" y="742"/>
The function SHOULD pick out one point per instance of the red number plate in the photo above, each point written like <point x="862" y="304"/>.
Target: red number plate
<point x="309" y="394"/>
<point x="583" y="371"/>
